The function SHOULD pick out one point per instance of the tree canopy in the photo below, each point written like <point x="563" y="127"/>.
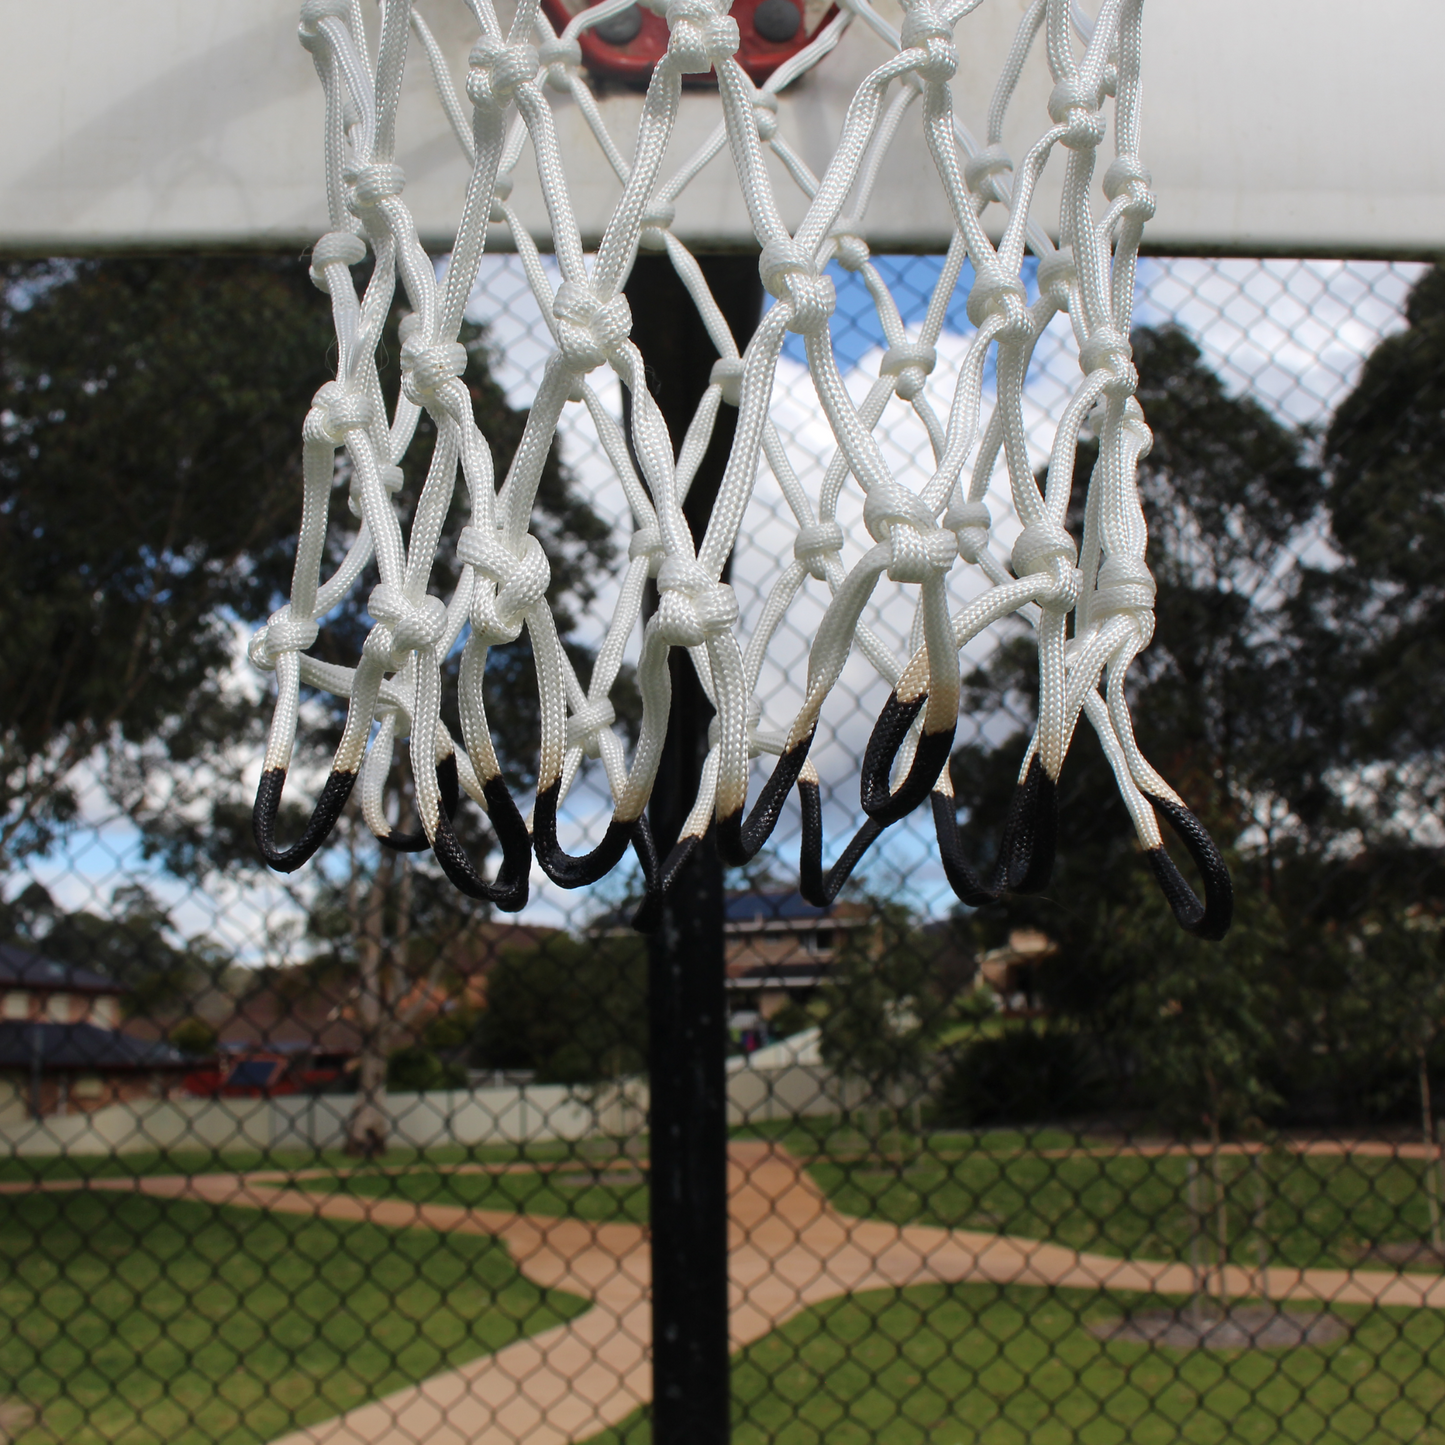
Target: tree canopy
<point x="149" y="486"/>
<point x="1287" y="695"/>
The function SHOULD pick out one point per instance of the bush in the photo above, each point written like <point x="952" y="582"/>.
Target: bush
<point x="1021" y="1078"/>
<point x="573" y="1010"/>
<point x="791" y="1019"/>
<point x="417" y="1068"/>
<point x="195" y="1037"/>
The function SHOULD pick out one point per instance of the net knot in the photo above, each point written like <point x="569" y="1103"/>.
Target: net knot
<point x="848" y="245"/>
<point x="970" y="523"/>
<point x="282" y="633"/>
<point x="519" y="580"/>
<point x="727" y="373"/>
<point x="425" y="370"/>
<point x="1044" y="547"/>
<point x="790" y="274"/>
<point x="755" y="716"/>
<point x="998" y="292"/>
<point x="335" y="248"/>
<point x="557" y="57"/>
<point x="900" y="518"/>
<point x="647" y="542"/>
<point x="924" y="29"/>
<point x="498" y="71"/>
<point x="336" y="411"/>
<point x="1125" y="588"/>
<point x="701" y="36"/>
<point x="912" y="363"/>
<point x="1135" y="426"/>
<point x="371" y="185"/>
<point x="588" y="329"/>
<point x="586" y="726"/>
<point x="765" y="112"/>
<point x="1109" y="350"/>
<point x="413" y="625"/>
<point x="1127" y="177"/>
<point x="979" y="172"/>
<point x="313" y="12"/>
<point x="500" y="192"/>
<point x="392" y="478"/>
<point x="692" y="607"/>
<point x="1076" y="110"/>
<point x="1058" y="274"/>
<point x="815" y="543"/>
<point x="657" y="219"/>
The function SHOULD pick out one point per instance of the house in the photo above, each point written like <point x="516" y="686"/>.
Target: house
<point x="780" y="949"/>
<point x="61" y="1047"/>
<point x="1011" y="971"/>
<point x="36" y="987"/>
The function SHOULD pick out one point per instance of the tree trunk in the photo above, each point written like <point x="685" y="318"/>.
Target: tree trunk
<point x="1216" y="1174"/>
<point x="1261" y="1217"/>
<point x="366" y="1129"/>
<point x="1196" y="1229"/>
<point x="1432" y="1149"/>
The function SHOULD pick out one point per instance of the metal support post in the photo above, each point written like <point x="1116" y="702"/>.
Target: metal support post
<point x="687" y="1013"/>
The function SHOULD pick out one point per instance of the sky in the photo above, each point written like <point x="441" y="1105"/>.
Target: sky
<point x="1293" y="334"/>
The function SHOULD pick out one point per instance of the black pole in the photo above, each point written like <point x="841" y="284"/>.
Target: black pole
<point x="687" y="1013"/>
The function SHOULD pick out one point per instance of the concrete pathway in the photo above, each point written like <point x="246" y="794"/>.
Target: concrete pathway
<point x="790" y="1250"/>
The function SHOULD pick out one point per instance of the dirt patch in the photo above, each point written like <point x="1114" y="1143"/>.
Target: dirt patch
<point x="1244" y="1327"/>
<point x="1403" y="1254"/>
<point x="13" y="1419"/>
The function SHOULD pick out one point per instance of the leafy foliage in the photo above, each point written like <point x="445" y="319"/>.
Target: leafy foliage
<point x="1286" y="694"/>
<point x="149" y="476"/>
<point x="574" y="1010"/>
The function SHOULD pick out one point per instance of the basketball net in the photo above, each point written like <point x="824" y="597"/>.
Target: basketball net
<point x="921" y="538"/>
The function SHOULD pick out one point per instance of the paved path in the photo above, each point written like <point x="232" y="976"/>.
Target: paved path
<point x="790" y="1250"/>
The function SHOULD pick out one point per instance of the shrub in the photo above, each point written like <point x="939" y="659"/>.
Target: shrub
<point x="1025" y="1076"/>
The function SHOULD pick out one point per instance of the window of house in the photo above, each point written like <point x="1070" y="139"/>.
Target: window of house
<point x="17" y="1005"/>
<point x="823" y="940"/>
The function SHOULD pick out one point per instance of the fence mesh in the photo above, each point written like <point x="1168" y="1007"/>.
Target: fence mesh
<point x="342" y="1157"/>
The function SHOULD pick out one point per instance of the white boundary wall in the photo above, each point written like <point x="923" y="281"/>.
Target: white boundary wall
<point x="530" y="1114"/>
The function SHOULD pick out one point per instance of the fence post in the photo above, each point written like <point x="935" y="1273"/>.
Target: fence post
<point x="687" y="1011"/>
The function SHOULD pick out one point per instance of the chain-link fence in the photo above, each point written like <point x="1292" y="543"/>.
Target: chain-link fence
<point x="341" y="1157"/>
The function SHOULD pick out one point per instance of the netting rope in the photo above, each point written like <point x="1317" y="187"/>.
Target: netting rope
<point x="919" y="538"/>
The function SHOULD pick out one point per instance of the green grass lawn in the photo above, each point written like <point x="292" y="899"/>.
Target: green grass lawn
<point x="142" y="1320"/>
<point x="1310" y="1210"/>
<point x="18" y="1169"/>
<point x="564" y="1192"/>
<point x="1315" y="1210"/>
<point x="989" y="1365"/>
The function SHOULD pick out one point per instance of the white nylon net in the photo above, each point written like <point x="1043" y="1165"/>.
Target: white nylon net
<point x="926" y="538"/>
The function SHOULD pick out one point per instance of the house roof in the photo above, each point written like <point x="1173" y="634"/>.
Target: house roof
<point x="24" y="968"/>
<point x="81" y="1046"/>
<point x="780" y="906"/>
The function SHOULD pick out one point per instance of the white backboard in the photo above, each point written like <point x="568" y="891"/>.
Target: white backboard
<point x="1269" y="126"/>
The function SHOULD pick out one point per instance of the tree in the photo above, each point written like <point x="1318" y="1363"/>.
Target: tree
<point x="149" y="477"/>
<point x="573" y="1010"/>
<point x="131" y="944"/>
<point x="881" y="1008"/>
<point x="1384" y="455"/>
<point x="148" y="471"/>
<point x="1288" y="695"/>
<point x="1229" y="492"/>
